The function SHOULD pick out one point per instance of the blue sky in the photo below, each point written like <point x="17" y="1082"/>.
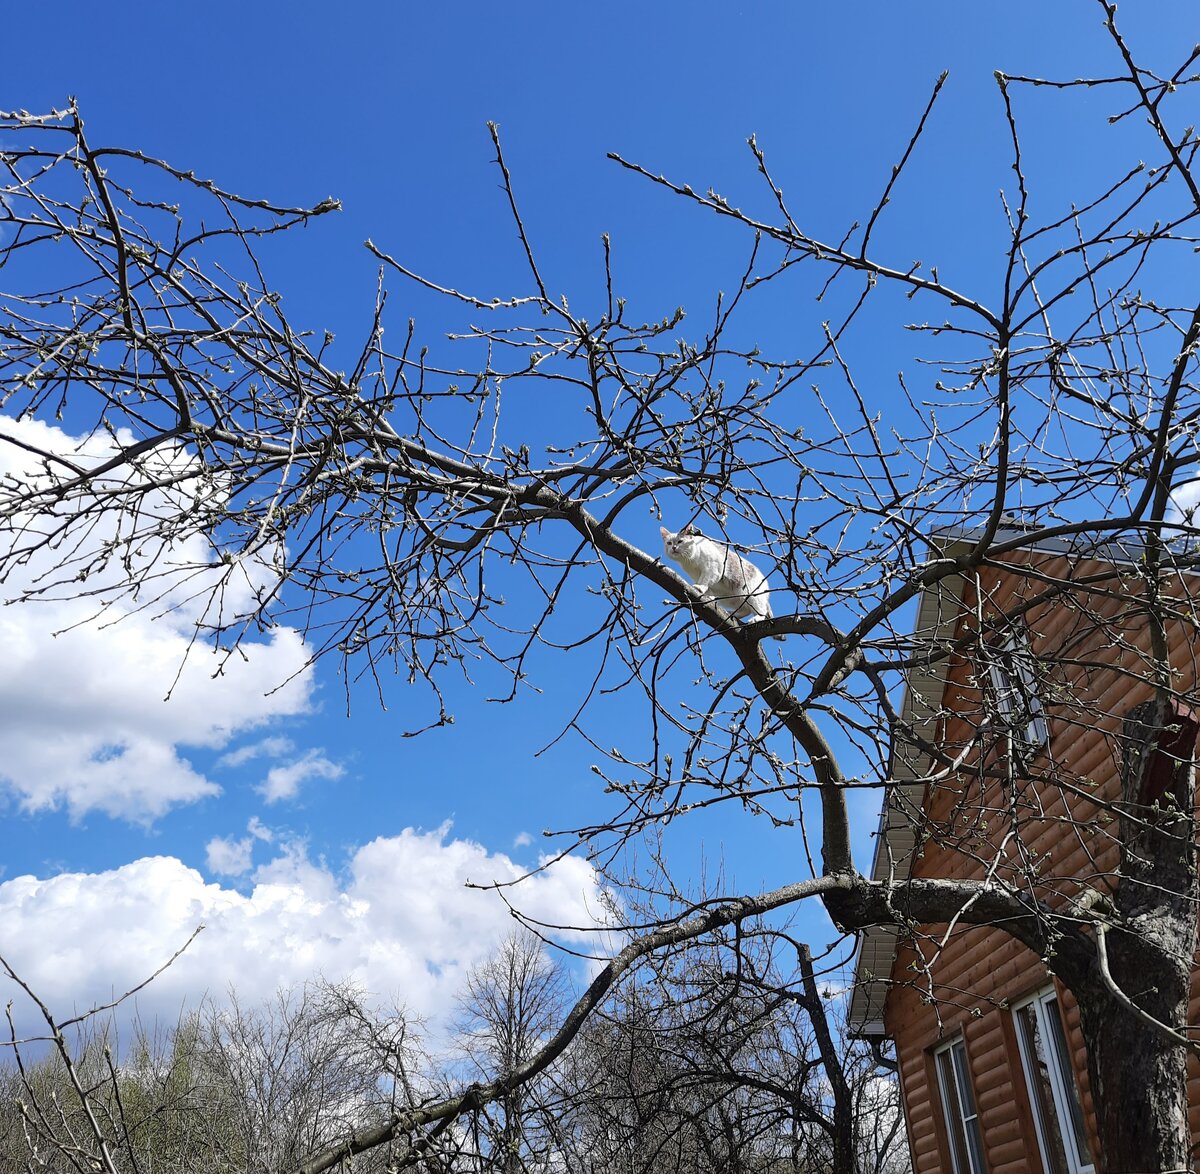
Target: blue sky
<point x="384" y="106"/>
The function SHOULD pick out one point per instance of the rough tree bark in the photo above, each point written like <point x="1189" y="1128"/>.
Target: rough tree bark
<point x="1138" y="1001"/>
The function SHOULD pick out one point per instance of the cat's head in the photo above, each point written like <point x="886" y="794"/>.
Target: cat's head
<point x="673" y="543"/>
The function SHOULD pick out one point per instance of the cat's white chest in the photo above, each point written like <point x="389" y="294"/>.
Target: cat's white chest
<point x="700" y="564"/>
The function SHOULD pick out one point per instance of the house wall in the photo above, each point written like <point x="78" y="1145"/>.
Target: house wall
<point x="1046" y="826"/>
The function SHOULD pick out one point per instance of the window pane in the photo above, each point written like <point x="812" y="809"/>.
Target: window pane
<point x="966" y="1096"/>
<point x="958" y="1102"/>
<point x="1015" y="688"/>
<point x="975" y="1141"/>
<point x="1005" y="693"/>
<point x="1033" y="1052"/>
<point x="1066" y="1070"/>
<point x="953" y="1114"/>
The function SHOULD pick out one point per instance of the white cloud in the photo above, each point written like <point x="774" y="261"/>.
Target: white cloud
<point x="523" y="840"/>
<point x="1184" y="502"/>
<point x="274" y="747"/>
<point x="227" y="857"/>
<point x="399" y="920"/>
<point x="87" y="726"/>
<point x="284" y="781"/>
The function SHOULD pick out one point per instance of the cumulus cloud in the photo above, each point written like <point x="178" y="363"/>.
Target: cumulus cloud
<point x="228" y="857"/>
<point x="523" y="840"/>
<point x="284" y="781"/>
<point x="399" y="920"/>
<point x="1185" y="498"/>
<point x="87" y="726"/>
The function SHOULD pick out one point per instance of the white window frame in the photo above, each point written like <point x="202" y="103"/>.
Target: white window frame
<point x="1016" y="688"/>
<point x="959" y="1108"/>
<point x="1069" y="1121"/>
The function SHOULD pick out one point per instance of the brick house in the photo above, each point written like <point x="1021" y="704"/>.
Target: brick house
<point x="1015" y="746"/>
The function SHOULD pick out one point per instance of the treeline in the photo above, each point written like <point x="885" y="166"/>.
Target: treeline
<point x="715" y="1061"/>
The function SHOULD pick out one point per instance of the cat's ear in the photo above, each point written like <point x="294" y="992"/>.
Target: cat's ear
<point x="664" y="532"/>
<point x="688" y="529"/>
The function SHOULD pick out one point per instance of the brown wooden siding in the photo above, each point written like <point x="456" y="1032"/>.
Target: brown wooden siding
<point x="1094" y="643"/>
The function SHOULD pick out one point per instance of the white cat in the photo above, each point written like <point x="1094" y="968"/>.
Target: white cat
<point x="725" y="578"/>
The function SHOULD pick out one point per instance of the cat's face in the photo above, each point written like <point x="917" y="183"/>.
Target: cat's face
<point x="674" y="543"/>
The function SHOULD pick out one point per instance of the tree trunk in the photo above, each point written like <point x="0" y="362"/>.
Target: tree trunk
<point x="1138" y="1071"/>
<point x="843" y="1158"/>
<point x="1139" y="1086"/>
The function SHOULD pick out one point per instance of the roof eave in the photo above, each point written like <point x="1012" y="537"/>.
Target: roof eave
<point x="896" y="842"/>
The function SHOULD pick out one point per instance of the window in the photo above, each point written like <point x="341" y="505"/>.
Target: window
<point x="958" y="1103"/>
<point x="1014" y="680"/>
<point x="1053" y="1096"/>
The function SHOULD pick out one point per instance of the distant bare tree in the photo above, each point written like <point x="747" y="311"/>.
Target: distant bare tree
<point x="723" y="1059"/>
<point x="510" y="1004"/>
<point x="228" y="1089"/>
<point x="298" y="1072"/>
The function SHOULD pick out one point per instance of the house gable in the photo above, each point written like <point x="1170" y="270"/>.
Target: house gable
<point x="1083" y="615"/>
